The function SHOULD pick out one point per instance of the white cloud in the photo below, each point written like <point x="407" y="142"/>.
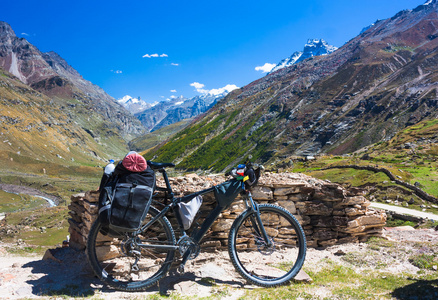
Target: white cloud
<point x="197" y="85"/>
<point x="155" y="55"/>
<point x="267" y="67"/>
<point x="174" y="64"/>
<point x="25" y="34"/>
<point x="228" y="88"/>
<point x="173" y="91"/>
<point x="116" y="71"/>
<point x="200" y="88"/>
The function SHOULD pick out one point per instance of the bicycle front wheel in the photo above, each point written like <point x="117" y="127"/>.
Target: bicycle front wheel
<point x="267" y="264"/>
<point x="132" y="263"/>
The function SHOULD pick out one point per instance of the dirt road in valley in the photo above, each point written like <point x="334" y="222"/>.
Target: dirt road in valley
<point x="20" y="189"/>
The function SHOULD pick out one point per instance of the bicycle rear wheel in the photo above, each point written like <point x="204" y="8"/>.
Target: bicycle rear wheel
<point x="259" y="263"/>
<point x="131" y="263"/>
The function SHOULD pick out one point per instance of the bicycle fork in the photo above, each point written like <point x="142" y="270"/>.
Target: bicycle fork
<point x="256" y="220"/>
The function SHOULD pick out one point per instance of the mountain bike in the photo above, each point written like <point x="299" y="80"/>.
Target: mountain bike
<point x="266" y="243"/>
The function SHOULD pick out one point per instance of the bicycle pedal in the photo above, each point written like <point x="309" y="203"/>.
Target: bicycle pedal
<point x="135" y="268"/>
<point x="180" y="269"/>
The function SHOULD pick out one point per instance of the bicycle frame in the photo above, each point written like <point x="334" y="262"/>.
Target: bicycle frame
<point x="148" y="254"/>
<point x="208" y="222"/>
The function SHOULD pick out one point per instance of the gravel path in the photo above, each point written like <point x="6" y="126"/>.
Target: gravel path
<point x="405" y="211"/>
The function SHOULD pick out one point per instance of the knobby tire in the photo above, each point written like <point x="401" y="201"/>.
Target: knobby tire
<point x="259" y="263"/>
<point x="111" y="264"/>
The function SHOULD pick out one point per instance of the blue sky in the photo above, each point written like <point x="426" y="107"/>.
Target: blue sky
<point x="115" y="44"/>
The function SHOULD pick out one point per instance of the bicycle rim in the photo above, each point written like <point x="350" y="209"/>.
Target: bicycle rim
<point x="113" y="260"/>
<point x="263" y="264"/>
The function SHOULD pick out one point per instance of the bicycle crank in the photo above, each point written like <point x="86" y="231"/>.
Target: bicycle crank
<point x="185" y="243"/>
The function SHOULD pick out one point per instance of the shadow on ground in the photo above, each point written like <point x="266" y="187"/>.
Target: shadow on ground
<point x="65" y="272"/>
<point x="421" y="289"/>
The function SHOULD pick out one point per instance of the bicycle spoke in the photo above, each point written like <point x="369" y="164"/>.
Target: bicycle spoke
<point x="263" y="263"/>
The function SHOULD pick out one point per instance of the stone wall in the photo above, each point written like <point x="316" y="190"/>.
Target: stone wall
<point x="328" y="213"/>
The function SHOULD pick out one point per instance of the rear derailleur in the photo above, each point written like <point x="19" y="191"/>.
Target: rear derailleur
<point x="130" y="247"/>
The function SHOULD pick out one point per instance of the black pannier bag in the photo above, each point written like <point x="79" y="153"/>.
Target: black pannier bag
<point x="127" y="195"/>
<point x="226" y="192"/>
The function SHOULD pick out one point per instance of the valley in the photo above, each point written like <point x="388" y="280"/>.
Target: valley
<point x="370" y="102"/>
<point x="350" y="115"/>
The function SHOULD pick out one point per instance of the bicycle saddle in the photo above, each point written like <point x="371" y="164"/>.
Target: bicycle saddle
<point x="155" y="165"/>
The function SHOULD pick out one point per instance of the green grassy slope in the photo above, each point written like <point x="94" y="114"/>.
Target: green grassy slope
<point x="411" y="155"/>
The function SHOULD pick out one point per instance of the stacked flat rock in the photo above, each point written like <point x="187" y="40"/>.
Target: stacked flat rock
<point x="328" y="213"/>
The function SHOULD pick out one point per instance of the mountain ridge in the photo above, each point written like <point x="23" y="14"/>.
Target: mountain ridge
<point x="370" y="88"/>
<point x="51" y="117"/>
<point x="51" y="75"/>
<point x="39" y="133"/>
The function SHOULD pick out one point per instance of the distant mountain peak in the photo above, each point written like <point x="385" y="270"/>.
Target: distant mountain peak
<point x="313" y="47"/>
<point x="134" y="105"/>
<point x="426" y="5"/>
<point x="173" y="110"/>
<point x="6" y="30"/>
<point x="318" y="47"/>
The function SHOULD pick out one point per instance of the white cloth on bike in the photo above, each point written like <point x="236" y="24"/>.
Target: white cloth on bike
<point x="188" y="211"/>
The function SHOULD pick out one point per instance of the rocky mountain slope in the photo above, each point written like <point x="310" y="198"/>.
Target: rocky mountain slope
<point x="39" y="133"/>
<point x="51" y="75"/>
<point x="51" y="116"/>
<point x="378" y="83"/>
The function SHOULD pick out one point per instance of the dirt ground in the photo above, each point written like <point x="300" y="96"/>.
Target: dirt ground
<point x="66" y="274"/>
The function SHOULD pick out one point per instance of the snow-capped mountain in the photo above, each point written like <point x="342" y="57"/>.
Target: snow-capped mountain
<point x="159" y="114"/>
<point x="313" y="47"/>
<point x="367" y="27"/>
<point x="134" y="105"/>
<point x="176" y="109"/>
